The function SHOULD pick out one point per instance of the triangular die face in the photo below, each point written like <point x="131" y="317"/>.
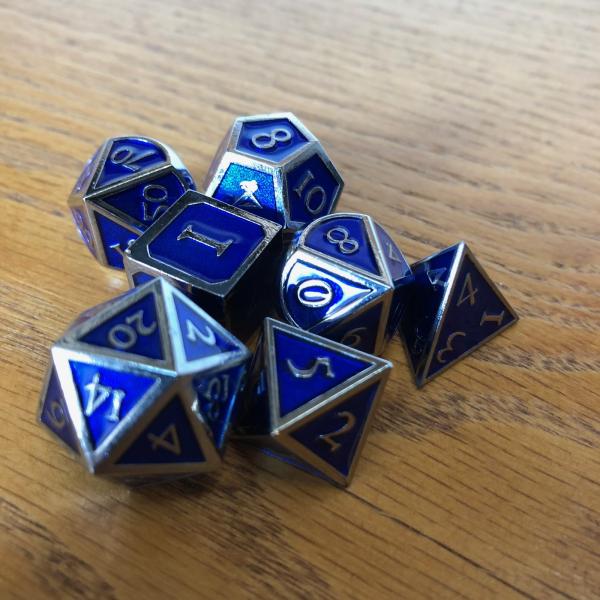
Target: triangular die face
<point x="396" y="263"/>
<point x="335" y="434"/>
<point x="474" y="313"/>
<point x="107" y="396"/>
<point x="217" y="395"/>
<point x="168" y="439"/>
<point x="306" y="369"/>
<point x="127" y="157"/>
<point x="199" y="336"/>
<point x="344" y="238"/>
<point x="115" y="239"/>
<point x="55" y="415"/>
<point x="360" y="332"/>
<point x="134" y="330"/>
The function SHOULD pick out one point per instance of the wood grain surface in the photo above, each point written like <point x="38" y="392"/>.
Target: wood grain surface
<point x="449" y="120"/>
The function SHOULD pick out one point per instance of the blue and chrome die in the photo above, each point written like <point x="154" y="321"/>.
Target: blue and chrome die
<point x="126" y="185"/>
<point x="223" y="257"/>
<point x="274" y="167"/>
<point x="454" y="308"/>
<point x="143" y="387"/>
<point x="345" y="279"/>
<point x="310" y="401"/>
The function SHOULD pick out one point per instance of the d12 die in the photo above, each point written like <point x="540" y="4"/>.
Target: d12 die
<point x="223" y="257"/>
<point x="144" y="386"/>
<point x="345" y="279"/>
<point x="311" y="400"/>
<point x="454" y="309"/>
<point x="272" y="166"/>
<point x="124" y="188"/>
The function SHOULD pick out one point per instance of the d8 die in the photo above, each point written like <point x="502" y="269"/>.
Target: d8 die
<point x="272" y="166"/>
<point x="310" y="401"/>
<point x="454" y="309"/>
<point x="223" y="257"/>
<point x="144" y="386"/>
<point x="345" y="279"/>
<point x="125" y="187"/>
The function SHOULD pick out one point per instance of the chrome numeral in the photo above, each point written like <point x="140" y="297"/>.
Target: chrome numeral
<point x="194" y="334"/>
<point x="267" y="141"/>
<point x="354" y="337"/>
<point x="98" y="394"/>
<point x="189" y="233"/>
<point x="124" y="335"/>
<point x="216" y="394"/>
<point x="314" y="293"/>
<point x="167" y="440"/>
<point x="128" y="157"/>
<point x="448" y="347"/>
<point x="322" y="361"/>
<point x="247" y="198"/>
<point x="56" y="414"/>
<point x="348" y="426"/>
<point x="393" y="252"/>
<point x="468" y="292"/>
<point x="155" y="194"/>
<point x="315" y="199"/>
<point x="345" y="244"/>
<point x="435" y="276"/>
<point x="117" y="247"/>
<point x="485" y="318"/>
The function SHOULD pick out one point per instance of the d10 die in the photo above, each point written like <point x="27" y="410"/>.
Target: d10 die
<point x="311" y="400"/>
<point x="272" y="166"/>
<point x="144" y="386"/>
<point x="125" y="187"/>
<point x="454" y="309"/>
<point x="223" y="257"/>
<point x="345" y="279"/>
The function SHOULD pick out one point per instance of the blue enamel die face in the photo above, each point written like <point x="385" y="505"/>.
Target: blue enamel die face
<point x="321" y="396"/>
<point x="454" y="309"/>
<point x="123" y="189"/>
<point x="146" y="385"/>
<point x="345" y="280"/>
<point x="274" y="167"/>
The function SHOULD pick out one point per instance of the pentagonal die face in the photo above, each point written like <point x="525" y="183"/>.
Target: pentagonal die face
<point x="273" y="166"/>
<point x="123" y="189"/>
<point x="145" y="387"/>
<point x="345" y="279"/>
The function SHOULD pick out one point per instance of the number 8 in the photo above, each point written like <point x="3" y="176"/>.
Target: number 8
<point x="279" y="134"/>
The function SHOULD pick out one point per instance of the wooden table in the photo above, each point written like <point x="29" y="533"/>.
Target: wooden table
<point x="449" y="120"/>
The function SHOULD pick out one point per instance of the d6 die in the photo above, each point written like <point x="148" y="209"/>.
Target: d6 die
<point x="223" y="257"/>
<point x="144" y="386"/>
<point x="454" y="309"/>
<point x="272" y="166"/>
<point x="310" y="401"/>
<point x="124" y="187"/>
<point x="345" y="279"/>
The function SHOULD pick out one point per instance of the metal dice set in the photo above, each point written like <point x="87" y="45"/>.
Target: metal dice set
<point x="148" y="385"/>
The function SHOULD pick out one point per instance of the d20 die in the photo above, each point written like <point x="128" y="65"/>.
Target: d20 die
<point x="272" y="166"/>
<point x="311" y="401"/>
<point x="124" y="188"/>
<point x="145" y="386"/>
<point x="345" y="279"/>
<point x="223" y="257"/>
<point x="454" y="309"/>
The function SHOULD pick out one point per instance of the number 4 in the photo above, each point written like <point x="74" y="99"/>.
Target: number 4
<point x="468" y="292"/>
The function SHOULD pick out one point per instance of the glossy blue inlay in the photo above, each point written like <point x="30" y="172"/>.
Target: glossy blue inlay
<point x="83" y="228"/>
<point x="359" y="332"/>
<point x="213" y="242"/>
<point x="148" y="200"/>
<point x="392" y="255"/>
<point x="344" y="238"/>
<point x="341" y="456"/>
<point x="190" y="184"/>
<point x="249" y="189"/>
<point x="168" y="439"/>
<point x="128" y="157"/>
<point x="86" y="176"/>
<point x="141" y="278"/>
<point x="134" y="330"/>
<point x="272" y="139"/>
<point x="474" y="310"/>
<point x="107" y="396"/>
<point x="312" y="190"/>
<point x="200" y="338"/>
<point x="217" y="395"/>
<point x="115" y="239"/>
<point x="55" y="414"/>
<point x="313" y="286"/>
<point x="331" y="368"/>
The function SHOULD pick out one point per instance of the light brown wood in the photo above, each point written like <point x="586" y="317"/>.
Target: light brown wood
<point x="473" y="120"/>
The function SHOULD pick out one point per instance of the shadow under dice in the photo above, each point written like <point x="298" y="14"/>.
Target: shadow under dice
<point x="223" y="257"/>
<point x="123" y="189"/>
<point x="144" y="386"/>
<point x="345" y="279"/>
<point x="454" y="309"/>
<point x="272" y="166"/>
<point x="310" y="401"/>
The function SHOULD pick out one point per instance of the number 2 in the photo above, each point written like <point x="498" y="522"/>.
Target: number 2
<point x="345" y="428"/>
